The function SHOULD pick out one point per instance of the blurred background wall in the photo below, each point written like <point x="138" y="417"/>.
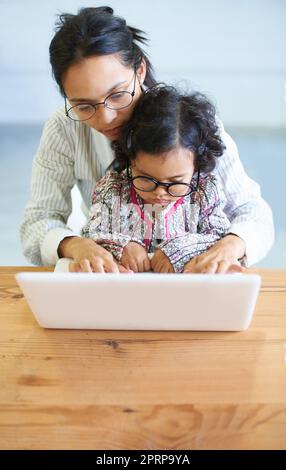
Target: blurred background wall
<point x="233" y="51"/>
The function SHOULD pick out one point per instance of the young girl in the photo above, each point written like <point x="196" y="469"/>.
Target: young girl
<point x="162" y="196"/>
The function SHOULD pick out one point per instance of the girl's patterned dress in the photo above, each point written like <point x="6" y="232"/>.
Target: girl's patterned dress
<point x="182" y="229"/>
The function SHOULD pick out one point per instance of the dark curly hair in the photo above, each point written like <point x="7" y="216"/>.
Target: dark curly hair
<point x="163" y="119"/>
<point x="95" y="32"/>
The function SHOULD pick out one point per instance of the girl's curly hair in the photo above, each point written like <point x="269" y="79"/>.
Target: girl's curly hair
<point x="163" y="119"/>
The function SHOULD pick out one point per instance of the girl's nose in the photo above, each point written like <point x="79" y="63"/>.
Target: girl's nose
<point x="160" y="191"/>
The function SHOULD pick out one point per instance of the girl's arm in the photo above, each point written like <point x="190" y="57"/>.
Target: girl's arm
<point x="109" y="224"/>
<point x="212" y="225"/>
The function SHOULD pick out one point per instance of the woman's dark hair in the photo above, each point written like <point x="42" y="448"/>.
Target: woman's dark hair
<point x="163" y="119"/>
<point x="95" y="32"/>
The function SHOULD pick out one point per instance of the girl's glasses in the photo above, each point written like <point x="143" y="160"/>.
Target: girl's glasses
<point x="148" y="184"/>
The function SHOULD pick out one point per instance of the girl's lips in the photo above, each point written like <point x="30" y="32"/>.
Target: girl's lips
<point x="160" y="201"/>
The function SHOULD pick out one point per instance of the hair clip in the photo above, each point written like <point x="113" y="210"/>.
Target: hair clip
<point x="201" y="149"/>
<point x="129" y="139"/>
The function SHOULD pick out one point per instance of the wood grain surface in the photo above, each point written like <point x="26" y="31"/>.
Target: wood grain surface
<point x="84" y="389"/>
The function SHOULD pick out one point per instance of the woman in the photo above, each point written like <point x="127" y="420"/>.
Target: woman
<point x="102" y="71"/>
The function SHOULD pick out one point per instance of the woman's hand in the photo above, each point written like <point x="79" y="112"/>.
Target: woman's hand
<point x="160" y="263"/>
<point x="135" y="257"/>
<point x="220" y="258"/>
<point x="88" y="256"/>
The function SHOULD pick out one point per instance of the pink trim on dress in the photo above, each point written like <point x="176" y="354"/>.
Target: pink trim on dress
<point x="148" y="235"/>
<point x="169" y="213"/>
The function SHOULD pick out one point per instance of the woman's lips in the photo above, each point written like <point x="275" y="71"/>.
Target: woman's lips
<point x="112" y="132"/>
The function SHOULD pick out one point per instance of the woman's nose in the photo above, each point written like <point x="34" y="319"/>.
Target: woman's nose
<point x="104" y="116"/>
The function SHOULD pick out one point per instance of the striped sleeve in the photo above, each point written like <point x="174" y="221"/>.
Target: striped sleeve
<point x="50" y="204"/>
<point x="250" y="215"/>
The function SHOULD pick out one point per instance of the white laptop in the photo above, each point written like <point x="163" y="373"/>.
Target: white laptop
<point x="142" y="301"/>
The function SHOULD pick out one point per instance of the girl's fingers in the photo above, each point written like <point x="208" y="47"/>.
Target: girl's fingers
<point x="143" y="265"/>
<point x="124" y="269"/>
<point x="146" y="264"/>
<point x="155" y="267"/>
<point x="161" y="268"/>
<point x="133" y="265"/>
<point x="189" y="266"/>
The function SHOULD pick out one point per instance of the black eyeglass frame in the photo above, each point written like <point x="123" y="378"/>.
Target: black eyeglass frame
<point x="160" y="183"/>
<point x="67" y="110"/>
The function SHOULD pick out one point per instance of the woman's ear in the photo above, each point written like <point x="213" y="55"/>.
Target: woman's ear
<point x="141" y="72"/>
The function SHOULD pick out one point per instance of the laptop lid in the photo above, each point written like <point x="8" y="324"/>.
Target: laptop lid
<point x="142" y="301"/>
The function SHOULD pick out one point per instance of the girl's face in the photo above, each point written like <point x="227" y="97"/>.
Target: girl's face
<point x="93" y="79"/>
<point x="175" y="166"/>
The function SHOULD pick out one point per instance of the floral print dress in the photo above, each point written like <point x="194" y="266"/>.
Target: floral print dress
<point x="183" y="229"/>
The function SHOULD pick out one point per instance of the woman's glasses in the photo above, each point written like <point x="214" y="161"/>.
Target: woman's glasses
<point x="85" y="111"/>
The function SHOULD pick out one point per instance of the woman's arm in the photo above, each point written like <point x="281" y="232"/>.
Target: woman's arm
<point x="50" y="204"/>
<point x="44" y="232"/>
<point x="251" y="232"/>
<point x="250" y="216"/>
<point x="212" y="226"/>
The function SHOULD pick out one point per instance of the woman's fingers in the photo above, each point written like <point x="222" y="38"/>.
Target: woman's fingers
<point x="196" y="268"/>
<point x="73" y="267"/>
<point x="203" y="268"/>
<point x="111" y="267"/>
<point x="235" y="268"/>
<point x="212" y="267"/>
<point x="85" y="266"/>
<point x="97" y="265"/>
<point x="222" y="267"/>
<point x="228" y="267"/>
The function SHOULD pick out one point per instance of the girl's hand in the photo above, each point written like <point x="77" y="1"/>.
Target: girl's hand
<point x="134" y="257"/>
<point x="88" y="256"/>
<point x="160" y="263"/>
<point x="220" y="258"/>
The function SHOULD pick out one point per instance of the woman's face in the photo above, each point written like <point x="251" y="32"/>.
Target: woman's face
<point x="93" y="79"/>
<point x="177" y="165"/>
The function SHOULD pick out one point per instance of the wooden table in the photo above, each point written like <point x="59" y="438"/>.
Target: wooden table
<point x="65" y="389"/>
